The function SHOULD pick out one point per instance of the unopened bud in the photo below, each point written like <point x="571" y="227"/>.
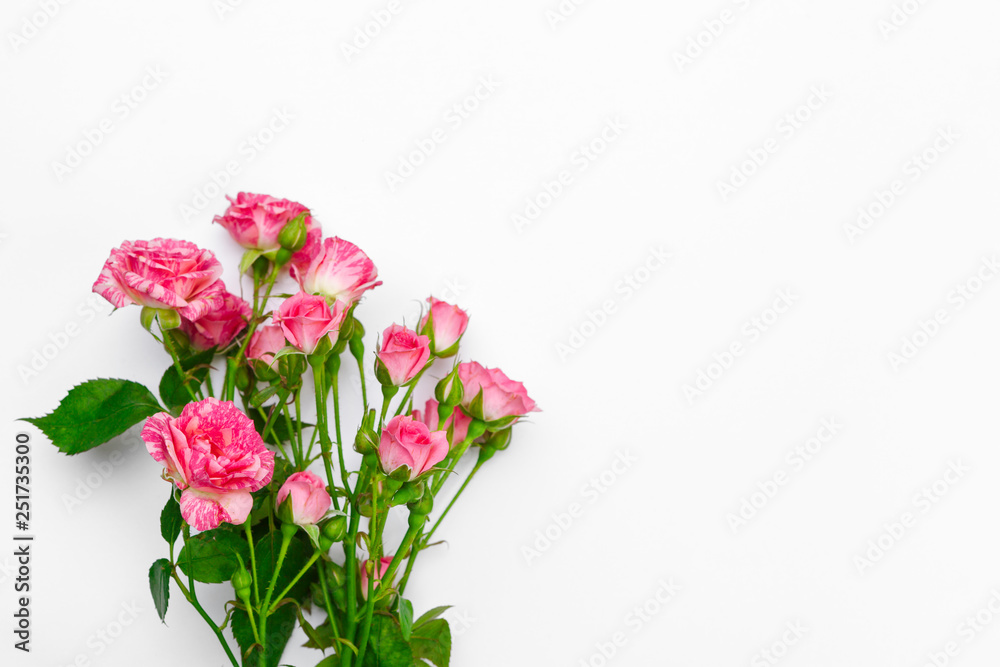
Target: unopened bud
<point x="293" y="235"/>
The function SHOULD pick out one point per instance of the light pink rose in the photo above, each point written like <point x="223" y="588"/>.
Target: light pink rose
<point x="458" y="418"/>
<point x="337" y="269"/>
<point x="310" y="501"/>
<point x="219" y="326"/>
<point x="165" y="274"/>
<point x="403" y="354"/>
<point x="502" y="397"/>
<point x="306" y="318"/>
<point x="265" y="343"/>
<point x="384" y="564"/>
<point x="254" y="221"/>
<point x="446" y="323"/>
<point x="408" y="442"/>
<point x="215" y="456"/>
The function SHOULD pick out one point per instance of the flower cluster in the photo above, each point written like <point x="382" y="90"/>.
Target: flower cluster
<point x="265" y="484"/>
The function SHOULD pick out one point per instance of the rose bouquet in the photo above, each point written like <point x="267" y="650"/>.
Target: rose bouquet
<point x="229" y="429"/>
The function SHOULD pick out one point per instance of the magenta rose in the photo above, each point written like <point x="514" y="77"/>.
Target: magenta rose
<point x="219" y="326"/>
<point x="337" y="269"/>
<point x="384" y="564"/>
<point x="408" y="442"/>
<point x="502" y="398"/>
<point x="164" y="274"/>
<point x="310" y="501"/>
<point x="215" y="456"/>
<point x="430" y="417"/>
<point x="306" y="319"/>
<point x="403" y="354"/>
<point x="254" y="221"/>
<point x="264" y="344"/>
<point x="444" y="324"/>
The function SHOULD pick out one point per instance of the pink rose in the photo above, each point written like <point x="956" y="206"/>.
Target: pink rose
<point x="382" y="569"/>
<point x="219" y="326"/>
<point x="408" y="442"/>
<point x="265" y="343"/>
<point x="254" y="221"/>
<point x="215" y="456"/>
<point x="337" y="269"/>
<point x="502" y="398"/>
<point x="310" y="501"/>
<point x="305" y="319"/>
<point x="163" y="273"/>
<point x="403" y="354"/>
<point x="445" y="324"/>
<point x="458" y="418"/>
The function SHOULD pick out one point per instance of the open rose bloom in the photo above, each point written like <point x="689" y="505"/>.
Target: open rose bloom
<point x="491" y="396"/>
<point x="255" y="221"/>
<point x="163" y="273"/>
<point x="403" y="354"/>
<point x="337" y="269"/>
<point x="215" y="456"/>
<point x="408" y="442"/>
<point x="219" y="326"/>
<point x="306" y="319"/>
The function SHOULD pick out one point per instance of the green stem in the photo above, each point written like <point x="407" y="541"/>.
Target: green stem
<point x="328" y="605"/>
<point x="300" y="463"/>
<point x="418" y="545"/>
<point x="324" y="432"/>
<point x="409" y="390"/>
<point x="411" y="534"/>
<point x="335" y="384"/>
<point x="281" y="596"/>
<point x="468" y="479"/>
<point x="375" y="560"/>
<point x="253" y="563"/>
<point x="455" y="458"/>
<point x="168" y="343"/>
<point x="351" y="567"/>
<point x="286" y="539"/>
<point x="193" y="598"/>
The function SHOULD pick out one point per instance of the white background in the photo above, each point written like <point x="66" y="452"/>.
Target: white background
<point x="888" y="90"/>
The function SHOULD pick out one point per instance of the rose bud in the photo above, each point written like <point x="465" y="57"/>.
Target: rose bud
<point x="408" y="442"/>
<point x="163" y="274"/>
<point x="444" y="324"/>
<point x="213" y="453"/>
<point x="309" y="502"/>
<point x="337" y="269"/>
<point x="402" y="356"/>
<point x="493" y="397"/>
<point x="449" y="390"/>
<point x="383" y="568"/>
<point x="256" y="221"/>
<point x="264" y="344"/>
<point x="306" y="320"/>
<point x="219" y="326"/>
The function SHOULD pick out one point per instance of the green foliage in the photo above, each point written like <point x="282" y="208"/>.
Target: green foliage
<point x="210" y="557"/>
<point x="159" y="585"/>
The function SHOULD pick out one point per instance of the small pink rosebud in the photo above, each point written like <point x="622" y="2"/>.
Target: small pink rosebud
<point x="444" y="324"/>
<point x="264" y="344"/>
<point x="403" y="354"/>
<point x="310" y="501"/>
<point x="306" y="319"/>
<point x="502" y="398"/>
<point x="383" y="568"/>
<point x="408" y="442"/>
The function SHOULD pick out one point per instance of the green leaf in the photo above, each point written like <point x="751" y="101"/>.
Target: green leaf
<point x="432" y="641"/>
<point x="94" y="412"/>
<point x="170" y="519"/>
<point x="405" y="618"/>
<point x="298" y="554"/>
<point x="431" y="615"/>
<point x="387" y="647"/>
<point x="195" y="368"/>
<point x="312" y="530"/>
<point x="210" y="557"/>
<point x="280" y="625"/>
<point x="249" y="257"/>
<point x="261" y="396"/>
<point x="159" y="585"/>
